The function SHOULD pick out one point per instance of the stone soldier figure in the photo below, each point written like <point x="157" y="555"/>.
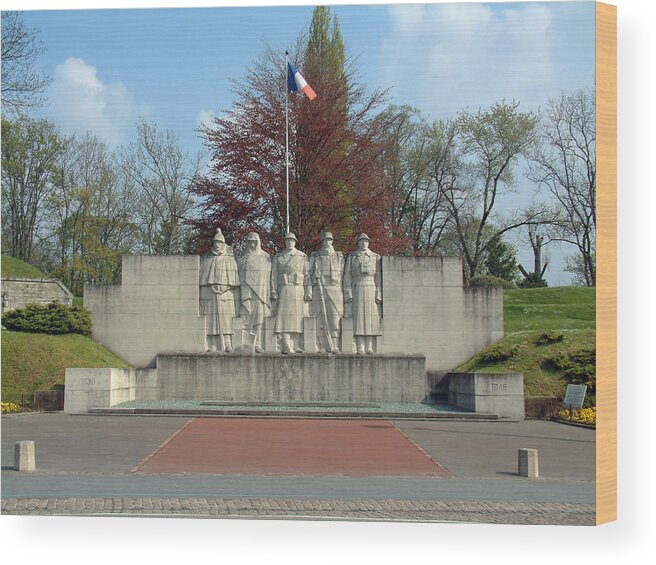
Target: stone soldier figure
<point x="362" y="288"/>
<point x="218" y="279"/>
<point x="326" y="269"/>
<point x="290" y="287"/>
<point x="254" y="275"/>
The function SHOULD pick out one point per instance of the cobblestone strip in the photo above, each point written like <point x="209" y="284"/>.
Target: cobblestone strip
<point x="387" y="510"/>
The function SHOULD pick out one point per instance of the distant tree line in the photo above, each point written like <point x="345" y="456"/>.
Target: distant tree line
<point x="72" y="206"/>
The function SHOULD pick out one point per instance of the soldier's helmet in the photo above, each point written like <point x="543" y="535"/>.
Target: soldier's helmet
<point x="218" y="236"/>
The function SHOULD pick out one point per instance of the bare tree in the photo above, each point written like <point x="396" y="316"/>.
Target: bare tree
<point x="538" y="238"/>
<point x="490" y="142"/>
<point x="22" y="86"/>
<point x="421" y="163"/>
<point x="161" y="172"/>
<point x="91" y="213"/>
<point x="565" y="163"/>
<point x="437" y="163"/>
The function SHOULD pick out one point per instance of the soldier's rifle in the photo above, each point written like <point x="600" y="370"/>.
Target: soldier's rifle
<point x="331" y="344"/>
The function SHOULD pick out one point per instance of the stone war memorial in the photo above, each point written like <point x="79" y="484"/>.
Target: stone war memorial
<point x="291" y="329"/>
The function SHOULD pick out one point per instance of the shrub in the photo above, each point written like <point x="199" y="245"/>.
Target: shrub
<point x="579" y="366"/>
<point x="53" y="318"/>
<point x="490" y="281"/>
<point x="498" y="353"/>
<point x="534" y="280"/>
<point x="547" y="338"/>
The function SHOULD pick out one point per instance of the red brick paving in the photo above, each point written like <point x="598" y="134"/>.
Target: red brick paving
<point x="290" y="447"/>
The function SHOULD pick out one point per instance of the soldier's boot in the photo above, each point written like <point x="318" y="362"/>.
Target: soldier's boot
<point x="370" y="345"/>
<point x="255" y="346"/>
<point x="285" y="345"/>
<point x="335" y="338"/>
<point x="295" y="348"/>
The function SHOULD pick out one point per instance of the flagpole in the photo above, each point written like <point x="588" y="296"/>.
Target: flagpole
<point x="287" y="138"/>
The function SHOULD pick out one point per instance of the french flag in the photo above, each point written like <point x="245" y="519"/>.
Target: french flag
<point x="296" y="82"/>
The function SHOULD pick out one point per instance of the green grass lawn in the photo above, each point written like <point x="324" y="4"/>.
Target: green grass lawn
<point x="32" y="361"/>
<point x="558" y="308"/>
<point x="569" y="311"/>
<point x="12" y="267"/>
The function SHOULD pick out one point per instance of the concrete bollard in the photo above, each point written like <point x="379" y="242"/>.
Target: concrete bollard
<point x="528" y="463"/>
<point x="24" y="460"/>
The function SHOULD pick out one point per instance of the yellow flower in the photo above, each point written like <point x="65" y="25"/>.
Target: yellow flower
<point x="581" y="416"/>
<point x="9" y="407"/>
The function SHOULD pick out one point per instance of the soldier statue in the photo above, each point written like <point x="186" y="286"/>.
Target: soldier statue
<point x="291" y="289"/>
<point x="362" y="288"/>
<point x="254" y="275"/>
<point x="326" y="269"/>
<point x="218" y="280"/>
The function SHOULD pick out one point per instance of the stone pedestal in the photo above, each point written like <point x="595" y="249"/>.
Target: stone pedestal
<point x="24" y="458"/>
<point x="253" y="378"/>
<point x="493" y="393"/>
<point x="292" y="378"/>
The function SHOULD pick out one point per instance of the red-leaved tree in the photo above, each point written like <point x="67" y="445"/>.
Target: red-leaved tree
<point x="336" y="143"/>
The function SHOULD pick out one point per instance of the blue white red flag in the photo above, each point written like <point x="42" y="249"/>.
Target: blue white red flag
<point x="296" y="82"/>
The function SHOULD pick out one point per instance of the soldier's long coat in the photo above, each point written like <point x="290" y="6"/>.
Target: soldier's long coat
<point x="289" y="278"/>
<point x="362" y="283"/>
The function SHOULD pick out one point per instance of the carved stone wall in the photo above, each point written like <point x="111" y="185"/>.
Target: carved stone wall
<point x="425" y="310"/>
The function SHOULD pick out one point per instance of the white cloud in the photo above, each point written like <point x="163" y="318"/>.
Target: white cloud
<point x="205" y="118"/>
<point x="468" y="55"/>
<point x="80" y="101"/>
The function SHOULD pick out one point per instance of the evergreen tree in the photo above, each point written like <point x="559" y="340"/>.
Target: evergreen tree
<point x="325" y="55"/>
<point x="500" y="260"/>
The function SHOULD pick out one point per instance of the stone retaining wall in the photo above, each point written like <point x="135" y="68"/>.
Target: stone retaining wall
<point x="18" y="292"/>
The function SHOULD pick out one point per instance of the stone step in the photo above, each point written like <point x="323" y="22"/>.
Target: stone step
<point x="299" y="413"/>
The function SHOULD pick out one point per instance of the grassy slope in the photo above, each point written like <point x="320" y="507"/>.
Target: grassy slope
<point x="12" y="267"/>
<point x="37" y="361"/>
<point x="528" y="313"/>
<point x="558" y="308"/>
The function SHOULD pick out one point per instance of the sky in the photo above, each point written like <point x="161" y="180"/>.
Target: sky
<point x="177" y="66"/>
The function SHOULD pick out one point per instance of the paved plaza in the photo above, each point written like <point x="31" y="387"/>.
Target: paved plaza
<point x="361" y="469"/>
